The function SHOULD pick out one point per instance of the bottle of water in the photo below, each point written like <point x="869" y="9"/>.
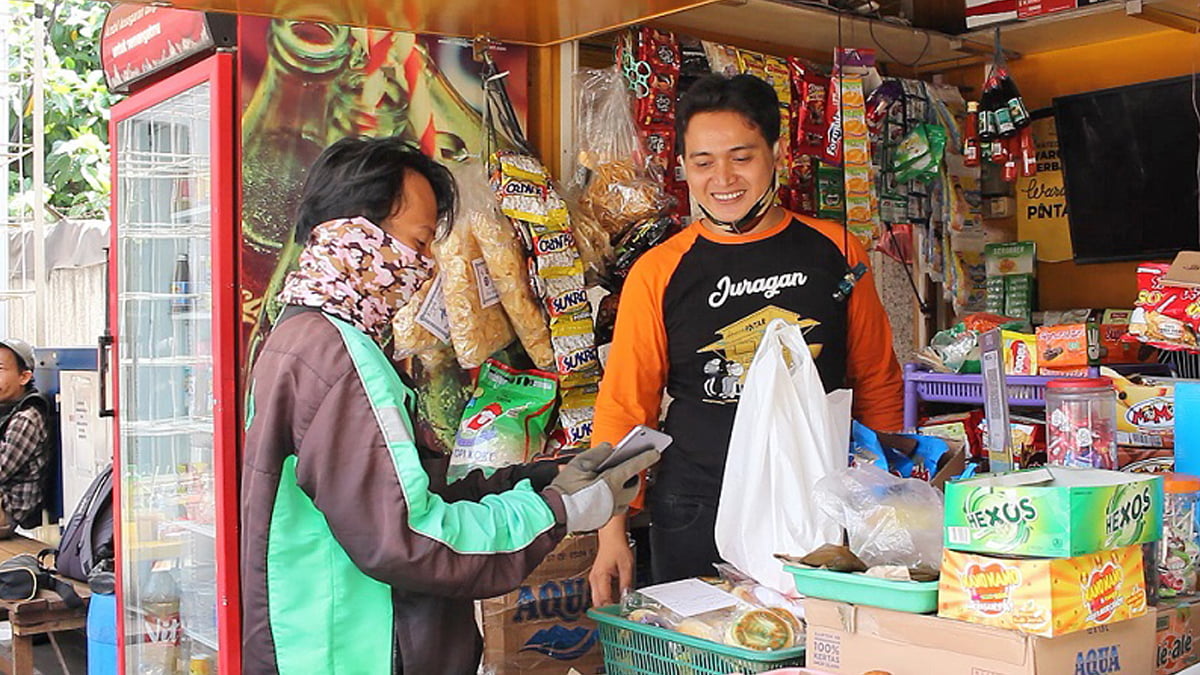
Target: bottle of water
<point x="160" y="622"/>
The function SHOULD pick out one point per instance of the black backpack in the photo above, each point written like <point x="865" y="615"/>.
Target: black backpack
<point x="88" y="537"/>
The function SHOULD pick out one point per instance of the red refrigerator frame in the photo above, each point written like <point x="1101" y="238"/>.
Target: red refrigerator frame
<point x="220" y="70"/>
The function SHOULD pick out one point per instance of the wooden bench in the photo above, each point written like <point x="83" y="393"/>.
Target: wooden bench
<point x="46" y="613"/>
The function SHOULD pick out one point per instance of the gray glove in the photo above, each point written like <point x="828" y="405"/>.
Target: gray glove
<point x="592" y="497"/>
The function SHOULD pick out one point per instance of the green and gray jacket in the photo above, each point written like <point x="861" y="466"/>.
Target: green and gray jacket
<point x="356" y="555"/>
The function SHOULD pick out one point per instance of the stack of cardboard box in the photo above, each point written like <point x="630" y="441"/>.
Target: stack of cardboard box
<point x="1042" y="575"/>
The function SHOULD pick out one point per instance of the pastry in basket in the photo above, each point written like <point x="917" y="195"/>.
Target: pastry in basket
<point x="761" y="630"/>
<point x="650" y="617"/>
<point x="699" y="628"/>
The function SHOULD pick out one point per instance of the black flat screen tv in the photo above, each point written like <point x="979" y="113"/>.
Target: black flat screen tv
<point x="1129" y="158"/>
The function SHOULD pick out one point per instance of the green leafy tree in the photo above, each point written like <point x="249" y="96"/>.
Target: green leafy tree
<point x="76" y="104"/>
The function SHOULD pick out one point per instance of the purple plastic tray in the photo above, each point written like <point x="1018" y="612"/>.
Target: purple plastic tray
<point x="922" y="385"/>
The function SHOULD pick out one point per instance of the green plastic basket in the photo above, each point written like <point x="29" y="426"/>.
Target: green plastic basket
<point x="632" y="648"/>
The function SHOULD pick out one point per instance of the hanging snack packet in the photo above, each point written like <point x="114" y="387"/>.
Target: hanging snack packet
<point x="591" y="240"/>
<point x="1164" y="316"/>
<point x="574" y="429"/>
<point x="507" y="266"/>
<point x="919" y="155"/>
<point x="615" y="185"/>
<point x="478" y="324"/>
<point x="506" y="263"/>
<point x="557" y="271"/>
<point x="505" y="421"/>
<point x="808" y="92"/>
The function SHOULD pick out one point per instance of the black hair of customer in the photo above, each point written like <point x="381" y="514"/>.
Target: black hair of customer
<point x="746" y="95"/>
<point x="364" y="177"/>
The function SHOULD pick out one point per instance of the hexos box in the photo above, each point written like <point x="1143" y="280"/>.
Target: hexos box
<point x="1053" y="512"/>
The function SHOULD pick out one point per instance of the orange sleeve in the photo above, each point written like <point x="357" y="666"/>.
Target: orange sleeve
<point x="636" y="371"/>
<point x="871" y="367"/>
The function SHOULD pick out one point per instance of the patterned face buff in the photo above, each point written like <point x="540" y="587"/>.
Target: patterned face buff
<point x="355" y="271"/>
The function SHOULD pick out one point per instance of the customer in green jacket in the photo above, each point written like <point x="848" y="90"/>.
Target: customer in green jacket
<point x="357" y="557"/>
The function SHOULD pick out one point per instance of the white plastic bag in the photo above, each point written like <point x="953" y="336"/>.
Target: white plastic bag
<point x="787" y="435"/>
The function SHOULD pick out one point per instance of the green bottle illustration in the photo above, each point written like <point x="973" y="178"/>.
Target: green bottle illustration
<point x="284" y="127"/>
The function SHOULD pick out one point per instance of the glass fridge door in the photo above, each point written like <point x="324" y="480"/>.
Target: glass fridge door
<point x="165" y="425"/>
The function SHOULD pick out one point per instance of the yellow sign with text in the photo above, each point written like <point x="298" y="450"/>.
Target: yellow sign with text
<point x="1042" y="200"/>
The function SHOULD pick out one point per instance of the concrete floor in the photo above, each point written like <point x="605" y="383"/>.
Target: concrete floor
<point x="72" y="643"/>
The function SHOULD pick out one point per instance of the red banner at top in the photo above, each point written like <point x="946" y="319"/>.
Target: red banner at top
<point x="139" y="40"/>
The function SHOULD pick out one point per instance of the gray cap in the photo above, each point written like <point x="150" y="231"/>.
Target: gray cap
<point x="22" y="349"/>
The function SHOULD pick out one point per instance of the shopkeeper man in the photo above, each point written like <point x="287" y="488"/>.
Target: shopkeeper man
<point x="694" y="308"/>
<point x="356" y="555"/>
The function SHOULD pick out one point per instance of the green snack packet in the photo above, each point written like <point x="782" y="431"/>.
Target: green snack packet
<point x="830" y="187"/>
<point x="919" y="155"/>
<point x="505" y="421"/>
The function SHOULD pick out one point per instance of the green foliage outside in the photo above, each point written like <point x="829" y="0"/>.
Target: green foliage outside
<point x="77" y="179"/>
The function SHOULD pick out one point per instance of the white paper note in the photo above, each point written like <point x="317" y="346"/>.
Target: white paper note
<point x="690" y="597"/>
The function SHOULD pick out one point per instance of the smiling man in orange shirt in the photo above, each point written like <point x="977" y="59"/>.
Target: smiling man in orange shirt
<point x="693" y="311"/>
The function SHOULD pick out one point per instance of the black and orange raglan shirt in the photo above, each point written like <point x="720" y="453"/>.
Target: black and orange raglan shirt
<point x="692" y="313"/>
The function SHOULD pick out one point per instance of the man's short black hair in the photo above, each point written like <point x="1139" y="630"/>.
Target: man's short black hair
<point x="364" y="177"/>
<point x="745" y="95"/>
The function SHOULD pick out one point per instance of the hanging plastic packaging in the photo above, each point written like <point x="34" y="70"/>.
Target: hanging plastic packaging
<point x="505" y="421"/>
<point x="478" y="325"/>
<point x="613" y="185"/>
<point x="506" y="262"/>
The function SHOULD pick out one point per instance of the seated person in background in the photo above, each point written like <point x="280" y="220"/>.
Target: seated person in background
<point x="24" y="439"/>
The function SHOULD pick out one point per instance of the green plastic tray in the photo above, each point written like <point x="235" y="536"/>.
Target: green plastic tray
<point x="632" y="648"/>
<point x="920" y="597"/>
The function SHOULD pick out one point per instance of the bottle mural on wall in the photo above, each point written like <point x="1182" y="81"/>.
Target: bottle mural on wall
<point x="321" y="83"/>
<point x="284" y="127"/>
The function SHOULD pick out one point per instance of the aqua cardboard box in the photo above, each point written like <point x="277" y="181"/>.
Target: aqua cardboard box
<point x="1053" y="512"/>
<point x="852" y="640"/>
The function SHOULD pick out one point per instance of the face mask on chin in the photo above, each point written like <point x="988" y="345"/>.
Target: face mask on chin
<point x="747" y="222"/>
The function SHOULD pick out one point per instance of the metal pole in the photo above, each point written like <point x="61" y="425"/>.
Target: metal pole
<point x="6" y="93"/>
<point x="41" y="282"/>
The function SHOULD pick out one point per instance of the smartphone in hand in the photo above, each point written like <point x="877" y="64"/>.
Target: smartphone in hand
<point x="639" y="439"/>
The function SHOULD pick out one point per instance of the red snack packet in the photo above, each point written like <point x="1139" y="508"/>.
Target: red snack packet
<point x="660" y="51"/>
<point x="809" y="90"/>
<point x="982" y="322"/>
<point x="659" y="141"/>
<point x="831" y="150"/>
<point x="1167" y="317"/>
